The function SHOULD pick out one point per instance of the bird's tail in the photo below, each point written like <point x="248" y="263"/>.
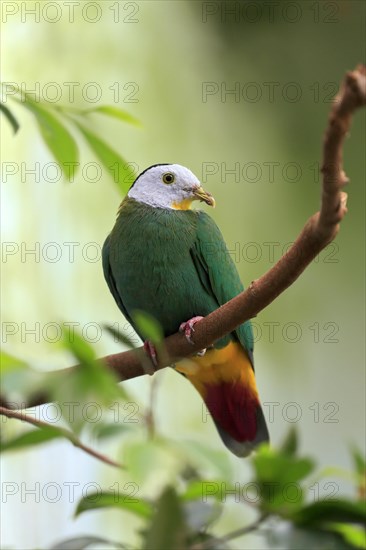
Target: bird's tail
<point x="226" y="381"/>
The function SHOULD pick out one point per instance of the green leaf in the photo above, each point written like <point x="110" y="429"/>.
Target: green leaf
<point x="278" y="475"/>
<point x="120" y="170"/>
<point x="120" y="337"/>
<point x="19" y="382"/>
<point x="122" y="501"/>
<point x="324" y="511"/>
<point x="353" y="535"/>
<point x="79" y="543"/>
<point x="167" y="529"/>
<point x="271" y="465"/>
<point x="34" y="437"/>
<point x="104" y="431"/>
<point x="55" y="135"/>
<point x="148" y="326"/>
<point x="87" y="387"/>
<point x="359" y="462"/>
<point x="203" y="490"/>
<point x="92" y="373"/>
<point x="83" y="351"/>
<point x="115" y="112"/>
<point x="10" y="363"/>
<point x="360" y="473"/>
<point x="10" y="117"/>
<point x="290" y="443"/>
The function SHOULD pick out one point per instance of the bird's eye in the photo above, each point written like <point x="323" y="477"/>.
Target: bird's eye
<point x="168" y="178"/>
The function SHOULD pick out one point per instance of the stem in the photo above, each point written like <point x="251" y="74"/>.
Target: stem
<point x="63" y="431"/>
<point x="233" y="535"/>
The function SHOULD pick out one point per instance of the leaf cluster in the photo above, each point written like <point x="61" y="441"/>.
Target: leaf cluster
<point x="198" y="485"/>
<point x="56" y="124"/>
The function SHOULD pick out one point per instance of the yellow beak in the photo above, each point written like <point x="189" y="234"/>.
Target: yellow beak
<point x="202" y="195"/>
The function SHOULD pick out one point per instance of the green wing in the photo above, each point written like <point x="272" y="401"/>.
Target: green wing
<point x="217" y="271"/>
<point x="108" y="275"/>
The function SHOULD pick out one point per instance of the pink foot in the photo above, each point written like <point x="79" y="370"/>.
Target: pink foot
<point x="187" y="328"/>
<point x="151" y="352"/>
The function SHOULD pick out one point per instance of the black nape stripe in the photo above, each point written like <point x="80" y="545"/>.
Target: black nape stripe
<point x="146" y="169"/>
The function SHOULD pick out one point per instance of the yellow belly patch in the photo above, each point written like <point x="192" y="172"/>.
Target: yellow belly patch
<point x="227" y="364"/>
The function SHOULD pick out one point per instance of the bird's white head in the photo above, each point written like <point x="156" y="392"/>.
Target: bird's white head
<point x="169" y="186"/>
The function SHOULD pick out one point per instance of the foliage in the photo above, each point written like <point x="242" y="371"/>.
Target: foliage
<point x="53" y="122"/>
<point x="183" y="512"/>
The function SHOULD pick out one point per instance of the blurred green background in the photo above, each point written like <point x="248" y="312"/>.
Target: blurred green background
<point x="173" y="65"/>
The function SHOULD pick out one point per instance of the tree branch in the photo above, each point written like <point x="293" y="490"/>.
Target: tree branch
<point x="317" y="233"/>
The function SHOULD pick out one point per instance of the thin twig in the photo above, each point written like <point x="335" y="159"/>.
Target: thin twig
<point x="232" y="535"/>
<point x="149" y="414"/>
<point x="63" y="431"/>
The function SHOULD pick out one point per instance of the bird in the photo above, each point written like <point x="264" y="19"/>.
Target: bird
<point x="169" y="260"/>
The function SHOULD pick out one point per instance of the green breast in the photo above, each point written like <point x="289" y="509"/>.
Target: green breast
<point x="151" y="262"/>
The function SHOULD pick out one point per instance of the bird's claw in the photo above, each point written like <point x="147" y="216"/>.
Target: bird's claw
<point x="188" y="327"/>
